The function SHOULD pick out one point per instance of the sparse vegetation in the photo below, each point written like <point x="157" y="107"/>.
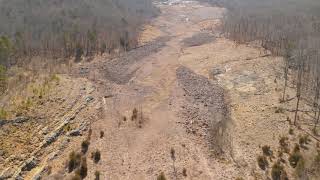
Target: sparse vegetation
<point x="291" y="131"/>
<point x="3" y="113"/>
<point x="76" y="177"/>
<point x="134" y="115"/>
<point x="301" y="168"/>
<point x="294" y="158"/>
<point x="279" y="110"/>
<point x="82" y="171"/>
<point x="267" y="150"/>
<point x="101" y="134"/>
<point x="97" y="175"/>
<point x="278" y="172"/>
<point x="304" y="140"/>
<point x="317" y="160"/>
<point x="296" y="148"/>
<point x="74" y="161"/>
<point x="284" y="144"/>
<point x="262" y="162"/>
<point x="184" y="172"/>
<point x="84" y="146"/>
<point x="96" y="156"/>
<point x="161" y="176"/>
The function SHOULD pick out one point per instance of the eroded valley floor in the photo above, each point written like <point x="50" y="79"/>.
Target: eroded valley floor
<point x="196" y="93"/>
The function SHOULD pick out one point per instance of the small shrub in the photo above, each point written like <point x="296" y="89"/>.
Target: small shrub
<point x="96" y="156"/>
<point x="300" y="168"/>
<point x="291" y="131"/>
<point x="82" y="171"/>
<point x="124" y="118"/>
<point x="278" y="172"/>
<point x="97" y="175"/>
<point x="294" y="158"/>
<point x="317" y="160"/>
<point x="55" y="77"/>
<point x="304" y="140"/>
<point x="161" y="176"/>
<point x="84" y="146"/>
<point x="296" y="148"/>
<point x="74" y="161"/>
<point x="289" y="120"/>
<point x="49" y="170"/>
<point x="239" y="178"/>
<point x="3" y="113"/>
<point x="76" y="177"/>
<point x="184" y="172"/>
<point x="172" y="153"/>
<point x="279" y="110"/>
<point x="267" y="151"/>
<point x="101" y="134"/>
<point x="284" y="145"/>
<point x="134" y="114"/>
<point x="89" y="134"/>
<point x="262" y="162"/>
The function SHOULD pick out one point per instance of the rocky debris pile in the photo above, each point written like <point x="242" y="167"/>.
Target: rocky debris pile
<point x="17" y="120"/>
<point x="205" y="109"/>
<point x="198" y="39"/>
<point x="121" y="69"/>
<point x="216" y="71"/>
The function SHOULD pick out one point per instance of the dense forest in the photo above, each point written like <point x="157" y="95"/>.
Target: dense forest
<point x="68" y="28"/>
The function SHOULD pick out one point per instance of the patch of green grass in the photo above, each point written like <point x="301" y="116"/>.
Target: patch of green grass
<point x="3" y="113"/>
<point x="55" y="78"/>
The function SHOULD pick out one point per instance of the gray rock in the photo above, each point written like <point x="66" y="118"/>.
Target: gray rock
<point x="51" y="138"/>
<point x="89" y="99"/>
<point x="20" y="120"/>
<point x="75" y="132"/>
<point x="216" y="71"/>
<point x="29" y="164"/>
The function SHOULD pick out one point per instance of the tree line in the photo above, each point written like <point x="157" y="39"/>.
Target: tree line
<point x="73" y="28"/>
